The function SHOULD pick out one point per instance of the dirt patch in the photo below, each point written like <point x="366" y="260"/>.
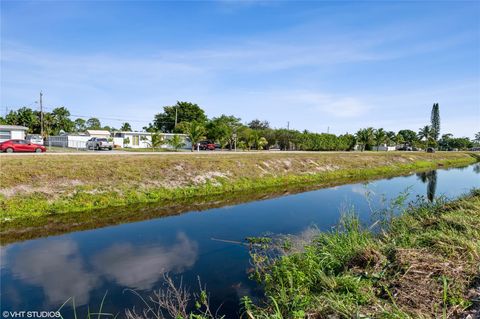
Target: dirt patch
<point x="368" y="258"/>
<point x="49" y="189"/>
<point x="424" y="279"/>
<point x="209" y="177"/>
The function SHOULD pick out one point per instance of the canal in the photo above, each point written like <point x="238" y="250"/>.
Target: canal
<point x="41" y="274"/>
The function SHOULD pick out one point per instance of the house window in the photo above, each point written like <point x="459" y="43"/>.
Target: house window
<point x="5" y="135"/>
<point x="135" y="140"/>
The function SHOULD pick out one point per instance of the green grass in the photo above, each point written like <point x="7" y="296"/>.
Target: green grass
<point x="45" y="188"/>
<point x="157" y="149"/>
<point x="420" y="266"/>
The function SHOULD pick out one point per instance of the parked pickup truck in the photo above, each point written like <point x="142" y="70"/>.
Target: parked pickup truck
<point x="96" y="143"/>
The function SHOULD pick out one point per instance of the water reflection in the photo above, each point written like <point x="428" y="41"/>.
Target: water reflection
<point x="60" y="269"/>
<point x="141" y="267"/>
<point x="476" y="168"/>
<point x="430" y="178"/>
<point x="45" y="272"/>
<point x="57" y="267"/>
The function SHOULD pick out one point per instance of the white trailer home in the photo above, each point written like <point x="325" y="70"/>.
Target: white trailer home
<point x="144" y="140"/>
<point x="10" y="132"/>
<point x="132" y="139"/>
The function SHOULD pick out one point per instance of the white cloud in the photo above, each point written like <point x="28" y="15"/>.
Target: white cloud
<point x="283" y="76"/>
<point x="337" y="106"/>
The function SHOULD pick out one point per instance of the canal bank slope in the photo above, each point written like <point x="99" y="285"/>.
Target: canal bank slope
<point x="39" y="186"/>
<point x="423" y="264"/>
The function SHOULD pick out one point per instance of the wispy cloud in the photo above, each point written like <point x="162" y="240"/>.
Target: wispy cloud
<point x="307" y="73"/>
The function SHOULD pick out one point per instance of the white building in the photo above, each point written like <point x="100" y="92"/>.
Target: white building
<point x="133" y="139"/>
<point x="384" y="147"/>
<point x="144" y="140"/>
<point x="10" y="132"/>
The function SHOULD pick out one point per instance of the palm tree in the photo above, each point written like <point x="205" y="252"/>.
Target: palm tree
<point x="126" y="127"/>
<point x="477" y="137"/>
<point x="391" y="138"/>
<point x="426" y="133"/>
<point x="400" y="140"/>
<point x="156" y="141"/>
<point x="379" y="136"/>
<point x="176" y="142"/>
<point x="261" y="143"/>
<point x="195" y="132"/>
<point x="365" y="137"/>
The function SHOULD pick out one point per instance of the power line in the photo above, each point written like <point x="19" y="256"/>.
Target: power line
<point x="130" y="120"/>
<point x="104" y="118"/>
<point x="41" y="115"/>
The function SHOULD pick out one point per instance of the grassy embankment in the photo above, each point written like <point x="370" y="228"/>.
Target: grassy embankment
<point x="34" y="187"/>
<point x="425" y="264"/>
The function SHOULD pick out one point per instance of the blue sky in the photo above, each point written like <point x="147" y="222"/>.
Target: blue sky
<point x="317" y="64"/>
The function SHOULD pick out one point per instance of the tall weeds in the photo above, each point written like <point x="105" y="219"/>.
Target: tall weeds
<point x="419" y="265"/>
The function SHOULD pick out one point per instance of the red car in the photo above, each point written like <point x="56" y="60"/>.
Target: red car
<point x="206" y="145"/>
<point x="11" y="146"/>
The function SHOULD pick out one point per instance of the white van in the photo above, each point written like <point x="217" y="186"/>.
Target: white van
<point x="35" y="139"/>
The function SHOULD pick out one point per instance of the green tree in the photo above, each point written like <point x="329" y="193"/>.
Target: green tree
<point x="23" y="116"/>
<point x="222" y="129"/>
<point x="365" y="138"/>
<point x="251" y="137"/>
<point x="461" y="143"/>
<point x="62" y="121"/>
<point x="408" y="136"/>
<point x="259" y="125"/>
<point x="391" y="138"/>
<point x="261" y="143"/>
<point x="444" y="142"/>
<point x="158" y="139"/>
<point x="176" y="142"/>
<point x="126" y="127"/>
<point x="399" y="140"/>
<point x="380" y="137"/>
<point x="435" y="122"/>
<point x="2" y="120"/>
<point x="195" y="132"/>
<point x="185" y="112"/>
<point x="476" y="140"/>
<point x="426" y="133"/>
<point x="80" y="125"/>
<point x="287" y="139"/>
<point x="48" y="124"/>
<point x="93" y="124"/>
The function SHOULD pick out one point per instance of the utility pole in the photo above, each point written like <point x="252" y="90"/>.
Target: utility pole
<point x="41" y="114"/>
<point x="328" y="129"/>
<point x="288" y="136"/>
<point x="176" y="115"/>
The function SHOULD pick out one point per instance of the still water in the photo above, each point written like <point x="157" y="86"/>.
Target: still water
<point x="41" y="274"/>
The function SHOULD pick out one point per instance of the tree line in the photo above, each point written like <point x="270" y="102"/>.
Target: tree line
<point x="230" y="132"/>
<point x="55" y="122"/>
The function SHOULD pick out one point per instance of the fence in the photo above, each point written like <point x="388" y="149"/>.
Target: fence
<point x="77" y="142"/>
